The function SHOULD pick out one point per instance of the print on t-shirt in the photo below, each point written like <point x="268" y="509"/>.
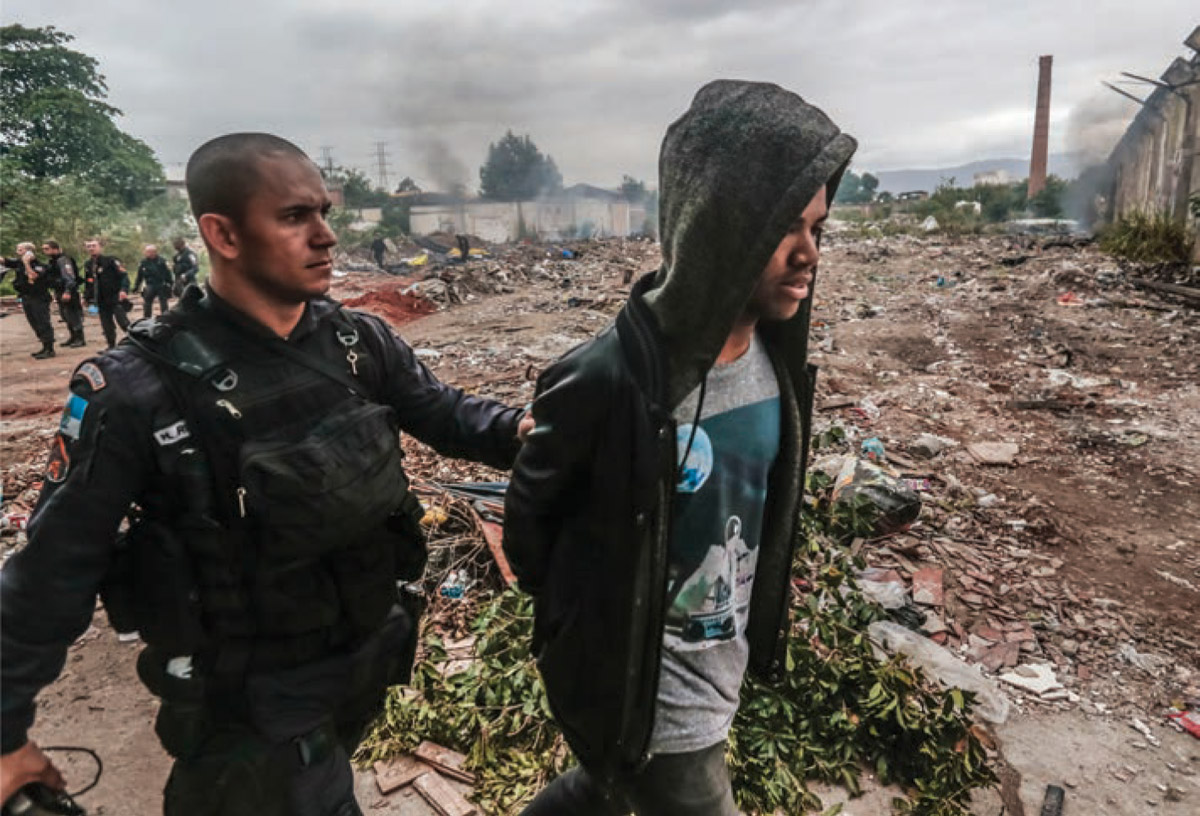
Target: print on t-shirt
<point x="719" y="503"/>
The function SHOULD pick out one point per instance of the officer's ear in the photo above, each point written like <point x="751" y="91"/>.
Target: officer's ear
<point x="220" y="233"/>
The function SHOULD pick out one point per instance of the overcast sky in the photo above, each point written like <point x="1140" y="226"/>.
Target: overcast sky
<point x="595" y="82"/>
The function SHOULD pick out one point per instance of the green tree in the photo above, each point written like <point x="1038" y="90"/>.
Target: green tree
<point x="517" y="171"/>
<point x="55" y="122"/>
<point x="356" y="187"/>
<point x="856" y="189"/>
<point x="1048" y="203"/>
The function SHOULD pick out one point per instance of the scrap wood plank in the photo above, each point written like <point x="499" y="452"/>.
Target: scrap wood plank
<point x="393" y="774"/>
<point x="445" y="800"/>
<point x="494" y="533"/>
<point x="445" y="761"/>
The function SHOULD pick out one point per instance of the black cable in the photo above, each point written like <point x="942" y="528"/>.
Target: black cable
<point x="99" y="765"/>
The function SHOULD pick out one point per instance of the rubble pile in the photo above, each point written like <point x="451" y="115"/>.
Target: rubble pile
<point x="1044" y="408"/>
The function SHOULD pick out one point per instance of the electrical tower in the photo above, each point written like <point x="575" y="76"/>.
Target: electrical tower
<point x="381" y="159"/>
<point x="327" y="159"/>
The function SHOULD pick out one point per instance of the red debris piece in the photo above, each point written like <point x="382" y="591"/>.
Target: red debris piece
<point x="927" y="586"/>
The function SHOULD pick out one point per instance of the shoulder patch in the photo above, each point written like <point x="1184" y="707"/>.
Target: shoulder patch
<point x="92" y="373"/>
<point x="72" y="418"/>
<point x="171" y="434"/>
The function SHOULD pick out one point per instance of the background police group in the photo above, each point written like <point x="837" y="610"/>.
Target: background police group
<point x="103" y="282"/>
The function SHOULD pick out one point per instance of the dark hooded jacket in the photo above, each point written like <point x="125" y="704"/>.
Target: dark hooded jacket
<point x="589" y="510"/>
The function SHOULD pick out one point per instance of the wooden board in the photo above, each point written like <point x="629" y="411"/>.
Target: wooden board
<point x="444" y="799"/>
<point x="393" y="774"/>
<point x="445" y="761"/>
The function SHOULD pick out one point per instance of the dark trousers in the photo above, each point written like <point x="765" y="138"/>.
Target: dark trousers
<point x="151" y="295"/>
<point x="691" y="784"/>
<point x="72" y="313"/>
<point x="237" y="772"/>
<point x="259" y="766"/>
<point x="37" y="312"/>
<point x="111" y="316"/>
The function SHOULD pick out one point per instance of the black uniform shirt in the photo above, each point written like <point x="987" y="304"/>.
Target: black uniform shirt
<point x="154" y="272"/>
<point x="38" y="288"/>
<point x="118" y="426"/>
<point x="106" y="279"/>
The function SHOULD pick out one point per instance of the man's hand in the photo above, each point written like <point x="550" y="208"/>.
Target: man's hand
<point x="526" y="425"/>
<point x="124" y="295"/>
<point x="66" y="295"/>
<point x="24" y="765"/>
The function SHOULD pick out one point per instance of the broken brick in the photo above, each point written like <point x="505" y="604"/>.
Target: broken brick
<point x="1000" y="656"/>
<point x="927" y="587"/>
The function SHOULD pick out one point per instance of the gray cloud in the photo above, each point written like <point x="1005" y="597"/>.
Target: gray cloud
<point x="596" y="84"/>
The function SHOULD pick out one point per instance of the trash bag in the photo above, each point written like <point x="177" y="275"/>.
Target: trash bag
<point x="897" y="503"/>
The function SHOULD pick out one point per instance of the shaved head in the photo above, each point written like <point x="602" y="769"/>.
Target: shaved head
<point x="223" y="173"/>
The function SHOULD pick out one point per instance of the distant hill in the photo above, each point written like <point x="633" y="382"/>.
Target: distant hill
<point x="1064" y="165"/>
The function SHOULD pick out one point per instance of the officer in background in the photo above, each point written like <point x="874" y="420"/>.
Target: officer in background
<point x="35" y="285"/>
<point x="154" y="280"/>
<point x="250" y="436"/>
<point x="187" y="266"/>
<point x="107" y="286"/>
<point x="70" y="299"/>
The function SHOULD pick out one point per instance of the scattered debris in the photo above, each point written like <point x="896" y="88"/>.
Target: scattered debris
<point x="1036" y="677"/>
<point x="991" y="704"/>
<point x="993" y="453"/>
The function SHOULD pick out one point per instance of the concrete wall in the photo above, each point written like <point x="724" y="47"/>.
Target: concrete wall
<point x="1155" y="168"/>
<point x="551" y="218"/>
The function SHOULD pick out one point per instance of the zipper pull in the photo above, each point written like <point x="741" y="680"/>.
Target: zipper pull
<point x="230" y="407"/>
<point x="241" y="496"/>
<point x="352" y="358"/>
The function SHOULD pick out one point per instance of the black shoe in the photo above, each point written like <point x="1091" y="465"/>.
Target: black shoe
<point x="46" y="353"/>
<point x="75" y="342"/>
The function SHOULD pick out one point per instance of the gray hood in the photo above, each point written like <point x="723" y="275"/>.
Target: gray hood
<point x="735" y="171"/>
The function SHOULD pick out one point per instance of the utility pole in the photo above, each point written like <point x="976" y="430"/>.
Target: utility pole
<point x="327" y="159"/>
<point x="382" y="165"/>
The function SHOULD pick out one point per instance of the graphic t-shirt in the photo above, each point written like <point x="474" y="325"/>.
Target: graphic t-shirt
<point x="713" y="550"/>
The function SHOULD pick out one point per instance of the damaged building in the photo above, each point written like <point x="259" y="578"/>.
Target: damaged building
<point x="1153" y="167"/>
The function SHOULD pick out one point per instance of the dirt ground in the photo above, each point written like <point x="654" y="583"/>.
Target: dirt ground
<point x="1081" y="554"/>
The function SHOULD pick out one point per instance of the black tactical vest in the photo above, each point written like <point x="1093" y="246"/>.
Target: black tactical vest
<point x="294" y="513"/>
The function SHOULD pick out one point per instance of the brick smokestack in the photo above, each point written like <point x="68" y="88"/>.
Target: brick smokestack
<point x="1041" y="129"/>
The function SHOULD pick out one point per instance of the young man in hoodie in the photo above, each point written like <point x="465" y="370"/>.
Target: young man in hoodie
<point x="653" y="511"/>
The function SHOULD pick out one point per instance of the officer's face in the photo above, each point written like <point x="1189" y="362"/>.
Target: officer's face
<point x="284" y="243"/>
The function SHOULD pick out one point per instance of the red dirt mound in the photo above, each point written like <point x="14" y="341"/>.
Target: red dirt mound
<point x="392" y="306"/>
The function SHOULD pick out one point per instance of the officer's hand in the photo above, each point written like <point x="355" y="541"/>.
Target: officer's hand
<point x="124" y="295"/>
<point x="24" y="765"/>
<point x="66" y="295"/>
<point x="526" y="425"/>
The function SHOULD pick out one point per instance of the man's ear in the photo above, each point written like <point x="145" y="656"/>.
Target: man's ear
<point x="220" y="234"/>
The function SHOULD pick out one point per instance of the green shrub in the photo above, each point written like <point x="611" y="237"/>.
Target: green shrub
<point x="838" y="712"/>
<point x="1148" y="237"/>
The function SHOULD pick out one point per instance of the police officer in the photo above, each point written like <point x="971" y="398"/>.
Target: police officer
<point x="107" y="286"/>
<point x="70" y="299"/>
<point x="34" y="284"/>
<point x="251" y="438"/>
<point x="154" y="280"/>
<point x="187" y="266"/>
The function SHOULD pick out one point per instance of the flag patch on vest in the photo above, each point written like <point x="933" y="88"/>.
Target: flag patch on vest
<point x="172" y="433"/>
<point x="60" y="460"/>
<point x="72" y="418"/>
<point x="94" y="376"/>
